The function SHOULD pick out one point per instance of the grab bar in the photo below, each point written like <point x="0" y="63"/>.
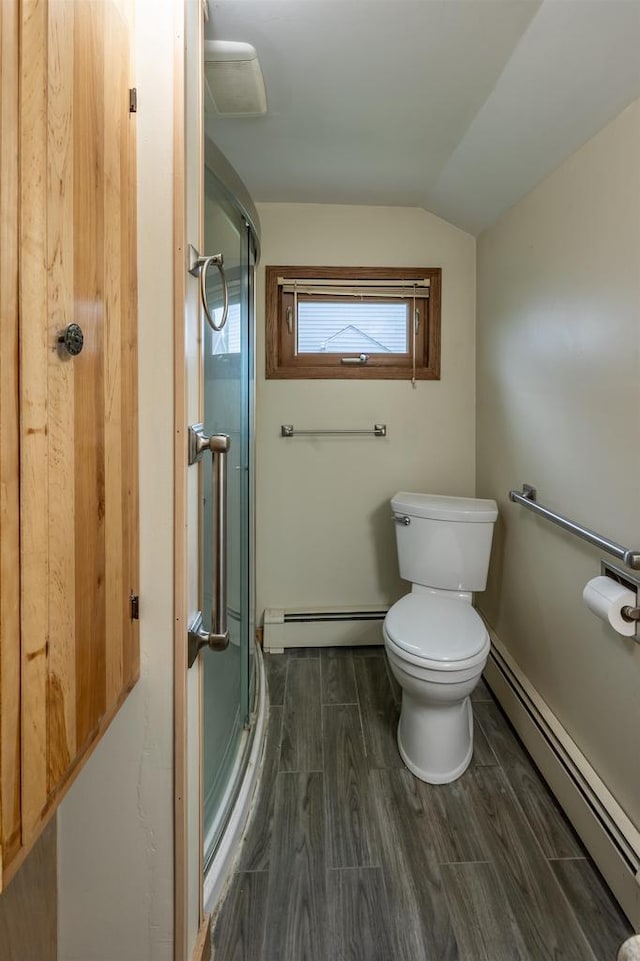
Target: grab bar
<point x="218" y="637"/>
<point x="527" y="498"/>
<point x="288" y="430"/>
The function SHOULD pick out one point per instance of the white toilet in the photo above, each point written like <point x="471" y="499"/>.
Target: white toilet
<point x="436" y="642"/>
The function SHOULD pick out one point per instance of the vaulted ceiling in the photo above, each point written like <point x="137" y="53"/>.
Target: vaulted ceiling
<point x="457" y="106"/>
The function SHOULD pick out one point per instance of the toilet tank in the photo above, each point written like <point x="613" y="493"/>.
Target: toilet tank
<point x="444" y="542"/>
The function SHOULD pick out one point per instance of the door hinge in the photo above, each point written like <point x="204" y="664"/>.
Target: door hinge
<point x="134" y="607"/>
<point x="133" y="100"/>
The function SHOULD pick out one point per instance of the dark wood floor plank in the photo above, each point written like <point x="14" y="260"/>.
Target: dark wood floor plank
<point x="549" y="824"/>
<point x="369" y="650"/>
<point x="422" y="927"/>
<point x="379" y="712"/>
<point x="483" y="753"/>
<point x="338" y="678"/>
<point x="275" y="666"/>
<point x="239" y="931"/>
<point x="396" y="690"/>
<point x="297" y="899"/>
<point x="454" y="829"/>
<point x="481" y="692"/>
<point x="600" y="918"/>
<point x="361" y="919"/>
<point x="548" y="926"/>
<point x="256" y="849"/>
<point x="500" y="734"/>
<point x="293" y="652"/>
<point x="485" y="927"/>
<point x="351" y="835"/>
<point x="547" y="821"/>
<point x="301" y="748"/>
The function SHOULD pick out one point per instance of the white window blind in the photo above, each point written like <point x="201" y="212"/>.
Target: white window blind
<point x="351" y="326"/>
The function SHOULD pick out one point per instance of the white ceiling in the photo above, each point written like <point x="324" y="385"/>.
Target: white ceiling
<point x="457" y="106"/>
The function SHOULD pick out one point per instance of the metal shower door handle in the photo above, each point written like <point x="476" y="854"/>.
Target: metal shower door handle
<point x="198" y="266"/>
<point x="218" y="637"/>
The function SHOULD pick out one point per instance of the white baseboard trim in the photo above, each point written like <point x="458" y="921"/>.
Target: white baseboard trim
<point x="322" y="627"/>
<point x="221" y="867"/>
<point x="610" y="837"/>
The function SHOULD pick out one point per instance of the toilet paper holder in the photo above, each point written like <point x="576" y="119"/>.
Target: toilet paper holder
<point x="623" y="577"/>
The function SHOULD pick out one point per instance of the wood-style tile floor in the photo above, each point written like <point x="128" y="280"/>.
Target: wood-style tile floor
<point x="351" y="858"/>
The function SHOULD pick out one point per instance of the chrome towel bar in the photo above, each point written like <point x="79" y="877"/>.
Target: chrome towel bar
<point x="527" y="498"/>
<point x="288" y="430"/>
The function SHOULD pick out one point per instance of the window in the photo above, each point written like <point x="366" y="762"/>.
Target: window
<point x="353" y="322"/>
<point x="228" y="340"/>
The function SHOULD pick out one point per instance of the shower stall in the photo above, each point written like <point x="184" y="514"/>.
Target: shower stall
<point x="230" y="694"/>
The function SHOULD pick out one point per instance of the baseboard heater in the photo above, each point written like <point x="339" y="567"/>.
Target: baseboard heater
<point x="322" y="627"/>
<point x="611" y="838"/>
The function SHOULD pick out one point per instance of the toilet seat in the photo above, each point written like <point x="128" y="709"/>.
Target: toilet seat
<point x="436" y="632"/>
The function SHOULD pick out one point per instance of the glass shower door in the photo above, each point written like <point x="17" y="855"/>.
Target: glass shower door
<point x="227" y="386"/>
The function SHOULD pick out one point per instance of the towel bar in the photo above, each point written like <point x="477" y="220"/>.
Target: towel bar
<point x="379" y="430"/>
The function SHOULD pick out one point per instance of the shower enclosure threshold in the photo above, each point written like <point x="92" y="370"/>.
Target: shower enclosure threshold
<point x="242" y="791"/>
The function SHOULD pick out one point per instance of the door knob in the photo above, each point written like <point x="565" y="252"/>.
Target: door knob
<point x="71" y="339"/>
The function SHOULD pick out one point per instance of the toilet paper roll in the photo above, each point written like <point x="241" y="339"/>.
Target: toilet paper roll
<point x="606" y="598"/>
<point x="630" y="950"/>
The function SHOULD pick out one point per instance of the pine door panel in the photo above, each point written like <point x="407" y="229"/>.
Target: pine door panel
<point x="9" y="422"/>
<point x="34" y="447"/>
<point x="78" y="414"/>
<point x="61" y="690"/>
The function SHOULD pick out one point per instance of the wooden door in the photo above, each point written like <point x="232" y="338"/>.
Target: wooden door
<point x="9" y="423"/>
<point x="77" y="414"/>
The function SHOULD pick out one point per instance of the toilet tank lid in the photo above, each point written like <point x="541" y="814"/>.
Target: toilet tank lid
<point x="441" y="507"/>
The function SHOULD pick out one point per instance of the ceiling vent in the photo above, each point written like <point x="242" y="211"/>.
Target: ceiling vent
<point x="234" y="85"/>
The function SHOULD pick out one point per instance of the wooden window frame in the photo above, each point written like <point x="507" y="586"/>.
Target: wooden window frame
<point x="282" y="362"/>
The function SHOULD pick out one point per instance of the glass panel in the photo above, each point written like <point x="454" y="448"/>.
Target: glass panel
<point x="341" y="327"/>
<point x="226" y="410"/>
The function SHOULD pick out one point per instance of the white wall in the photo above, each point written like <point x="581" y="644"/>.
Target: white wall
<point x="324" y="535"/>
<point x="115" y="828"/>
<point x="558" y="405"/>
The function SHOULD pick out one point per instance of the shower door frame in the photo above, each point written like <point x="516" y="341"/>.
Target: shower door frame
<point x="191" y="924"/>
<point x="232" y="190"/>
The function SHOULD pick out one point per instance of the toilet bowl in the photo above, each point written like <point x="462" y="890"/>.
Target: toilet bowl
<point x="436" y="643"/>
<point x="435" y="732"/>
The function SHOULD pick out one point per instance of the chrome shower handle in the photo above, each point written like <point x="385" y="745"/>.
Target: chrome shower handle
<point x="218" y="637"/>
<point x="198" y="266"/>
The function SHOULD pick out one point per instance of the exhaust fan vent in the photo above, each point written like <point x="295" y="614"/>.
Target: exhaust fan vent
<point x="234" y="85"/>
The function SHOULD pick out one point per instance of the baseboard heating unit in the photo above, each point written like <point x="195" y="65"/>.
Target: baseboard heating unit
<point x="322" y="627"/>
<point x="611" y="838"/>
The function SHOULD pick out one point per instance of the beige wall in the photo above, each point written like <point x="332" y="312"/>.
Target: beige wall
<point x="324" y="535"/>
<point x="558" y="405"/>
